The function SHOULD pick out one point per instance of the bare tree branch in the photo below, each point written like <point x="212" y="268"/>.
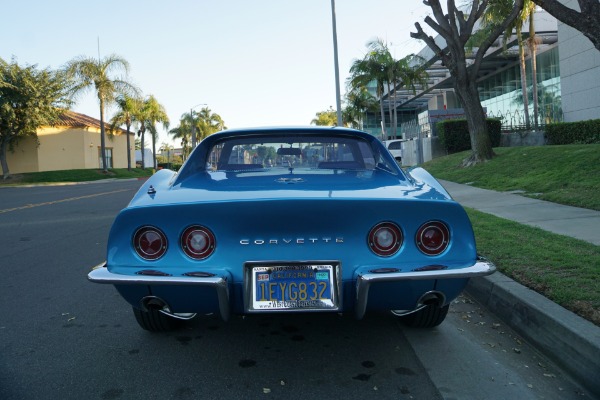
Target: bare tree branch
<point x="587" y="21"/>
<point x="456" y="31"/>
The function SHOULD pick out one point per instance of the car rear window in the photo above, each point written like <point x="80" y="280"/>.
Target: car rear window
<point x="307" y="154"/>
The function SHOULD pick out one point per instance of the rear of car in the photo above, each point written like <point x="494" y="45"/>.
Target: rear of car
<point x="290" y="220"/>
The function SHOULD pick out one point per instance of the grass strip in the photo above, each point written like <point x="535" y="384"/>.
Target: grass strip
<point x="563" y="269"/>
<point x="568" y="174"/>
<point x="76" y="175"/>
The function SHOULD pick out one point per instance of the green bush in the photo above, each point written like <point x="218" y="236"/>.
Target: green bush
<point x="454" y="134"/>
<point x="173" y="166"/>
<point x="582" y="132"/>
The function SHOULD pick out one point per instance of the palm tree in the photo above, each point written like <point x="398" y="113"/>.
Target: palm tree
<point x="125" y="116"/>
<point x="167" y="148"/>
<point x="371" y="68"/>
<point x="532" y="42"/>
<point x="358" y="102"/>
<point x="208" y="123"/>
<point x="380" y="66"/>
<point x="381" y="52"/>
<point x="148" y="115"/>
<point x="408" y="73"/>
<point x="183" y="132"/>
<point x="202" y="123"/>
<point x="96" y="74"/>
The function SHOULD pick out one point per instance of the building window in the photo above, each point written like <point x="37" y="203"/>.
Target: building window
<point x="502" y="96"/>
<point x="109" y="158"/>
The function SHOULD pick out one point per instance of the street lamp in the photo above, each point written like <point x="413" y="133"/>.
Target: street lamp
<point x="338" y="100"/>
<point x="193" y="125"/>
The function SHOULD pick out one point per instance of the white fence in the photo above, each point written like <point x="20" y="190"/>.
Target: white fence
<point x="416" y="152"/>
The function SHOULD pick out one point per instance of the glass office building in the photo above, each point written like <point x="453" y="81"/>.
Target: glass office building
<point x="502" y="96"/>
<point x="499" y="89"/>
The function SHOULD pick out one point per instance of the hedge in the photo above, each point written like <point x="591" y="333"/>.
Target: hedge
<point x="583" y="132"/>
<point x="173" y="166"/>
<point x="454" y="134"/>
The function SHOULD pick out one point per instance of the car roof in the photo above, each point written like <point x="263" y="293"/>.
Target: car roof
<point x="290" y="130"/>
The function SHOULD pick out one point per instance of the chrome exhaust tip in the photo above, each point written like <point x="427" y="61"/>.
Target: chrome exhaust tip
<point x="157" y="304"/>
<point x="433" y="298"/>
<point x="154" y="303"/>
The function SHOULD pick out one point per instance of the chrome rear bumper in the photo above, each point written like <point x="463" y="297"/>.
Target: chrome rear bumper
<point x="481" y="267"/>
<point x="101" y="274"/>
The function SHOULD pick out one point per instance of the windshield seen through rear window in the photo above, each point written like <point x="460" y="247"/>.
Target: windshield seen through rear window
<point x="304" y="154"/>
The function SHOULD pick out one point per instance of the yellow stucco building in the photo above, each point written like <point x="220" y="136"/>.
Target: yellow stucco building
<point x="74" y="143"/>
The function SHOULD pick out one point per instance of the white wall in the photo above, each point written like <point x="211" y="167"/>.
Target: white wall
<point x="580" y="73"/>
<point x="148" y="160"/>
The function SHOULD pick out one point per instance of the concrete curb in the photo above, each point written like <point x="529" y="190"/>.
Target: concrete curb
<point x="570" y="341"/>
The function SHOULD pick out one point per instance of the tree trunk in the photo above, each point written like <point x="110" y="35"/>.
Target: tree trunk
<point x="3" y="162"/>
<point x="523" y="79"/>
<point x="395" y="120"/>
<point x="481" y="145"/>
<point x="102" y="137"/>
<point x="383" y="133"/>
<point x="154" y="150"/>
<point x="456" y="29"/>
<point x="392" y="130"/>
<point x="128" y="148"/>
<point x="533" y="52"/>
<point x="142" y="144"/>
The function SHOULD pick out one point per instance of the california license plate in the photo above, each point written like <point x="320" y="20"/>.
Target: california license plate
<point x="293" y="287"/>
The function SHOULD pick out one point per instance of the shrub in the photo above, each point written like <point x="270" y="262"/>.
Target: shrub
<point x="454" y="134"/>
<point x="173" y="166"/>
<point x="582" y="132"/>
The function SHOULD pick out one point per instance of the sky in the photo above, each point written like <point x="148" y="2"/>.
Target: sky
<point x="253" y="62"/>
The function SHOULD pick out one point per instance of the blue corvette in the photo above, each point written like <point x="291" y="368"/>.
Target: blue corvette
<point x="290" y="220"/>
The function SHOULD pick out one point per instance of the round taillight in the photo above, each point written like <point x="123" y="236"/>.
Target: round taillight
<point x="150" y="243"/>
<point x="433" y="238"/>
<point x="385" y="239"/>
<point x="198" y="242"/>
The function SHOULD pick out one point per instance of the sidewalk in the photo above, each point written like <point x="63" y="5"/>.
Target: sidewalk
<point x="569" y="340"/>
<point x="579" y="223"/>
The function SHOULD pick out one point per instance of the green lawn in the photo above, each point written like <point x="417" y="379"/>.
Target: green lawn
<point x="75" y="175"/>
<point x="563" y="269"/>
<point x="567" y="174"/>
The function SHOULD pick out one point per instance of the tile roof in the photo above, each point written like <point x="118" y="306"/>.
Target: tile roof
<point x="77" y="120"/>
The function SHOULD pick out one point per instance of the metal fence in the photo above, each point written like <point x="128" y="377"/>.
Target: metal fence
<point x="514" y="121"/>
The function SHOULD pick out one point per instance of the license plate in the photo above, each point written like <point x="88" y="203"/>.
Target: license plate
<point x="293" y="287"/>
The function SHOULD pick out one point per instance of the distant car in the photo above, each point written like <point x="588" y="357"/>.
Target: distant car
<point x="395" y="148"/>
<point x="285" y="220"/>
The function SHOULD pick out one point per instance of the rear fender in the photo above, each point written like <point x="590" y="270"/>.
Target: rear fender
<point x="421" y="177"/>
<point x="161" y="180"/>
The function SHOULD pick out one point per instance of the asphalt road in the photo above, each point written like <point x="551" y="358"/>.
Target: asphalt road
<point x="62" y="337"/>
